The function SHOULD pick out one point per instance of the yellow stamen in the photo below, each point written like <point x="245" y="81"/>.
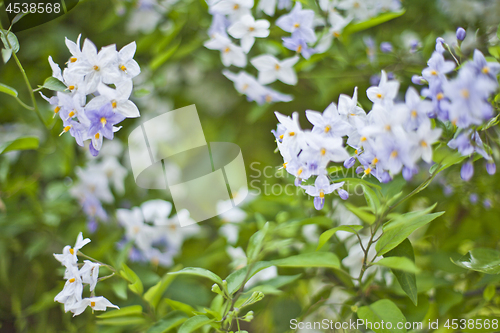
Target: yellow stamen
<point x="57" y="109"/>
<point x="251" y="29"/>
<point x="387" y="127"/>
<point x="423" y="143"/>
<point x="440" y="96"/>
<point x="269" y="98"/>
<point x="97" y="136"/>
<point x="291" y="133"/>
<point x="485" y="70"/>
<point x="245" y="87"/>
<point x="71" y="88"/>
<point x="363" y="139"/>
<point x="72" y="280"/>
<point x="96" y="68"/>
<point x="321" y="194"/>
<point x="72" y="59"/>
<point x="367" y="171"/>
<point x="103" y="121"/>
<point x="92" y="304"/>
<point x="281" y="137"/>
<point x="356" y="5"/>
<point x="72" y="251"/>
<point x="123" y="68"/>
<point x="464" y="93"/>
<point x="299" y="48"/>
<point x="356" y="152"/>
<point x="236" y="7"/>
<point x="379" y="95"/>
<point x="296" y="25"/>
<point x="336" y="34"/>
<point x="299" y="172"/>
<point x="394" y="154"/>
<point x="323" y="151"/>
<point x="136" y="230"/>
<point x="375" y="161"/>
<point x="71" y="114"/>
<point x="327" y="128"/>
<point x="414" y="114"/>
<point x="454" y="122"/>
<point x="227" y="49"/>
<point x="284" y="165"/>
<point x="277" y="67"/>
<point x="433" y="72"/>
<point x="67" y="128"/>
<point x="113" y="104"/>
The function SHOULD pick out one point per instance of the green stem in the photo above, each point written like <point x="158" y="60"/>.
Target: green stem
<point x="26" y="106"/>
<point x="97" y="261"/>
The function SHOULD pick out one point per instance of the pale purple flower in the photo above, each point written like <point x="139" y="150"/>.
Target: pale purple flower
<point x="467" y="171"/>
<point x="321" y="187"/>
<point x="437" y="68"/>
<point x="299" y="22"/>
<point x="102" y="121"/>
<point x="386" y="47"/>
<point x="298" y="45"/>
<point x="461" y="33"/>
<point x="491" y="168"/>
<point x="484" y="68"/>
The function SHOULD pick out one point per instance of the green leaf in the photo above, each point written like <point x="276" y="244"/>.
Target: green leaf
<point x="383" y="310"/>
<point x="122" y="321"/>
<point x="481" y="260"/>
<point x="179" y="306"/>
<point x="8" y="90"/>
<point x="371" y="198"/>
<point x="311" y="259"/>
<point x="494" y="51"/>
<point x="325" y="237"/>
<point x="407" y="281"/>
<point x="352" y="28"/>
<point x="398" y="263"/>
<point x="193" y="323"/>
<point x="9" y="38"/>
<point x="489" y="292"/>
<point x="446" y="299"/>
<point x="362" y="214"/>
<point x="255" y="243"/>
<point x="24" y="143"/>
<point x="154" y="294"/>
<point x="398" y="229"/>
<point x="6" y="54"/>
<point x="445" y="157"/>
<point x="163" y="57"/>
<point x="169" y="322"/>
<point x="236" y="279"/>
<point x="199" y="272"/>
<point x="133" y="310"/>
<point x="54" y="84"/>
<point x="135" y="284"/>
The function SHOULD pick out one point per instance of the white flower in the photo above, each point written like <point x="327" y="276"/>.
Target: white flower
<point x="68" y="257"/>
<point x="74" y="49"/>
<point x="271" y="69"/>
<point x="246" y="29"/>
<point x="73" y="288"/>
<point x="115" y="172"/>
<point x="234" y="8"/>
<point x="385" y="92"/>
<point x="238" y="257"/>
<point x="96" y="303"/>
<point x="89" y="273"/>
<point x="119" y="99"/>
<point x="247" y="85"/>
<point x="231" y="54"/>
<point x="92" y="182"/>
<point x="135" y="229"/>
<point x="128" y="67"/>
<point x="267" y="6"/>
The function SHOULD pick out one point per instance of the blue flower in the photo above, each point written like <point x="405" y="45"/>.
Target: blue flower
<point x="102" y="121"/>
<point x="484" y="68"/>
<point x="299" y="22"/>
<point x="298" y="45"/>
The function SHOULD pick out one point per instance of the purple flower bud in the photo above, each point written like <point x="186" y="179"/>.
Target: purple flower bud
<point x="386" y="177"/>
<point x="473" y="198"/>
<point x="408" y="173"/>
<point x="491" y="168"/>
<point x="386" y="47"/>
<point x="344" y="195"/>
<point x="414" y="45"/>
<point x="298" y="181"/>
<point x="448" y="190"/>
<point x="461" y="33"/>
<point x="416" y="79"/>
<point x="319" y="203"/>
<point x="467" y="171"/>
<point x="360" y="169"/>
<point x="440" y="45"/>
<point x="92" y="226"/>
<point x="375" y="79"/>
<point x="487" y="203"/>
<point x="349" y="163"/>
<point x="390" y="75"/>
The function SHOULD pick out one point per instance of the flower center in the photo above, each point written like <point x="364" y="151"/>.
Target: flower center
<point x="440" y="96"/>
<point x="284" y="165"/>
<point x="123" y="68"/>
<point x="394" y="154"/>
<point x="72" y="280"/>
<point x="323" y="151"/>
<point x="227" y="49"/>
<point x="71" y="114"/>
<point x="67" y="128"/>
<point x="104" y="121"/>
<point x="336" y="34"/>
<point x="434" y="72"/>
<point x="322" y="194"/>
<point x="71" y="88"/>
<point x="245" y="87"/>
<point x="423" y="143"/>
<point x="375" y="161"/>
<point x="485" y="70"/>
<point x="251" y="29"/>
<point x="71" y="251"/>
<point x="281" y="137"/>
<point x="96" y="68"/>
<point x="72" y="59"/>
<point x="299" y="172"/>
<point x="57" y="109"/>
<point x="414" y="114"/>
<point x="236" y="7"/>
<point x="379" y="95"/>
<point x="92" y="304"/>
<point x="299" y="48"/>
<point x="291" y="133"/>
<point x="269" y="98"/>
<point x="387" y="127"/>
<point x="465" y="93"/>
<point x="97" y="136"/>
<point x="296" y="25"/>
<point x="113" y="104"/>
<point x="363" y="139"/>
<point x="277" y="67"/>
<point x="368" y="170"/>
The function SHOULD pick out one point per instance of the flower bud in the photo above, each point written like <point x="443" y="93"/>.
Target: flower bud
<point x="467" y="171"/>
<point x="319" y="203"/>
<point x="344" y="195"/>
<point x="349" y="163"/>
<point x="248" y="317"/>
<point x="461" y="33"/>
<point x="491" y="168"/>
<point x="473" y="198"/>
<point x="416" y="79"/>
<point x="487" y="203"/>
<point x="386" y="47"/>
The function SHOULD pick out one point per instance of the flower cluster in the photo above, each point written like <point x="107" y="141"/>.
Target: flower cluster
<point x="89" y="73"/>
<point x="76" y="278"/>
<point x="234" y="18"/>
<point x="462" y="100"/>
<point x="93" y="187"/>
<point x="157" y="238"/>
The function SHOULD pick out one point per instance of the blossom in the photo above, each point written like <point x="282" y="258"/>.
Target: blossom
<point x="96" y="303"/>
<point x="89" y="273"/>
<point x="461" y="33"/>
<point x="484" y="68"/>
<point x="102" y="121"/>
<point x="246" y="29"/>
<point x="69" y="253"/>
<point x="231" y="54"/>
<point x="247" y="85"/>
<point x="128" y="67"/>
<point x="271" y="69"/>
<point x="299" y="22"/>
<point x="437" y="67"/>
<point x="298" y="45"/>
<point x="321" y="187"/>
<point x="385" y="92"/>
<point x="234" y="8"/>
<point x="119" y="99"/>
<point x="330" y="123"/>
